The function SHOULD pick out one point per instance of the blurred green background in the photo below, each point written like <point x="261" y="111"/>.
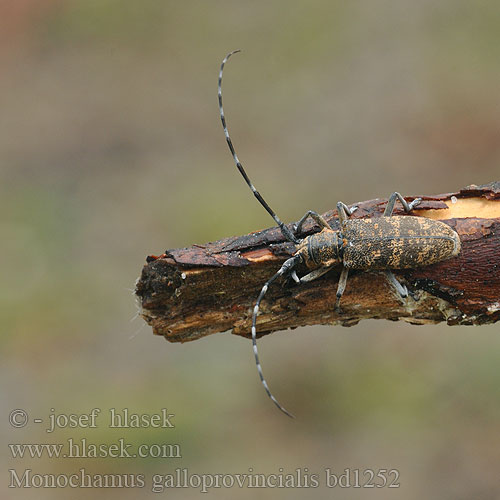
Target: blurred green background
<point x="111" y="149"/>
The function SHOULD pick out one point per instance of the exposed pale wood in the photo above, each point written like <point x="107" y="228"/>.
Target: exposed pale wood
<point x="192" y="292"/>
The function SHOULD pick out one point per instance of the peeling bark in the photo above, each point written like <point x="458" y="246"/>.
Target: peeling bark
<point x="192" y="292"/>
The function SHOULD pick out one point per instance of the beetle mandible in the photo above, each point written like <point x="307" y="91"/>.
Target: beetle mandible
<point x="383" y="243"/>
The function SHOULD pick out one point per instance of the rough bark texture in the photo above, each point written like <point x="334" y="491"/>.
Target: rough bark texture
<point x="192" y="292"/>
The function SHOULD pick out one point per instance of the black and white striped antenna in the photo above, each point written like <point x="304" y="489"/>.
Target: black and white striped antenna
<point x="286" y="232"/>
<point x="287" y="266"/>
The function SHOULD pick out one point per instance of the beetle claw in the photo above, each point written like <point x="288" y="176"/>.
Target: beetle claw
<point x="414" y="203"/>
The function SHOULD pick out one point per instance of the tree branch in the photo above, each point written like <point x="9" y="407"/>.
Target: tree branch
<point x="192" y="292"/>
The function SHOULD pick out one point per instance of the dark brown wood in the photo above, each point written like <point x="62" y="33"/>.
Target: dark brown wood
<point x="189" y="293"/>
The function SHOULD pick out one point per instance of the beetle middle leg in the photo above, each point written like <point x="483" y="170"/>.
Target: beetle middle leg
<point x="401" y="289"/>
<point x="341" y="286"/>
<point x="343" y="212"/>
<point x="407" y="206"/>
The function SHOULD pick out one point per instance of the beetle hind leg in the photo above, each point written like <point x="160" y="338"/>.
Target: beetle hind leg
<point x="407" y="206"/>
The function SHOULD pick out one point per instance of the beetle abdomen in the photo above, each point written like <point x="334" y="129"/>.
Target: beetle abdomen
<point x="397" y="242"/>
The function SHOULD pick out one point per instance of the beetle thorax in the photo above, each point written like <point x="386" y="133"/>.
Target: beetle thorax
<point x="321" y="249"/>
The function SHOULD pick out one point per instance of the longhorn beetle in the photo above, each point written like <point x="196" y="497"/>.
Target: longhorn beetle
<point x="384" y="243"/>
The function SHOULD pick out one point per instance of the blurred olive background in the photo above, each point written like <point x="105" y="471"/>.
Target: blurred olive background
<point x="111" y="149"/>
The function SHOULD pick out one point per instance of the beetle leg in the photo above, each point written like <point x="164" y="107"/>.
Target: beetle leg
<point x="414" y="203"/>
<point x="401" y="289"/>
<point x="407" y="206"/>
<point x="343" y="212"/>
<point x="341" y="287"/>
<point x="317" y="218"/>
<point x="314" y="274"/>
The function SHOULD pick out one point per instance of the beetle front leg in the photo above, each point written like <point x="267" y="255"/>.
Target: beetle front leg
<point x="341" y="286"/>
<point x="407" y="206"/>
<point x="315" y="216"/>
<point x="312" y="275"/>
